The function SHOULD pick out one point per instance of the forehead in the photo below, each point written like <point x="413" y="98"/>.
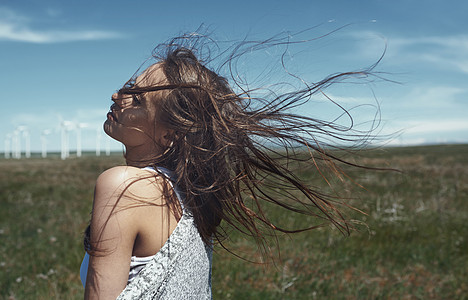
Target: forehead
<point x="152" y="76"/>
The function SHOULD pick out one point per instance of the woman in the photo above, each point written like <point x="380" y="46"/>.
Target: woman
<point x="198" y="154"/>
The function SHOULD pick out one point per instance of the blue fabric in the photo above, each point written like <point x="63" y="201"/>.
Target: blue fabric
<point x="84" y="269"/>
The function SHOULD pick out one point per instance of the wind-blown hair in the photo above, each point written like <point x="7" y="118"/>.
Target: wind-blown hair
<point x="232" y="151"/>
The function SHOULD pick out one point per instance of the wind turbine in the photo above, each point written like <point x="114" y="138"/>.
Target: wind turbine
<point x="17" y="137"/>
<point x="98" y="141"/>
<point x="107" y="146"/>
<point x="64" y="128"/>
<point x="15" y="145"/>
<point x="44" y="142"/>
<point x="7" y="146"/>
<point x="78" y="138"/>
<point x="27" y="142"/>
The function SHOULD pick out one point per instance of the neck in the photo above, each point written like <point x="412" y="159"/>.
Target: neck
<point x="141" y="156"/>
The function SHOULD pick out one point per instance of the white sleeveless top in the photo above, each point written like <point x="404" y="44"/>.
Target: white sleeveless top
<point x="180" y="270"/>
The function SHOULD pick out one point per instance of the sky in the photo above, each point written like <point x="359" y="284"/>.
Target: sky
<point x="60" y="61"/>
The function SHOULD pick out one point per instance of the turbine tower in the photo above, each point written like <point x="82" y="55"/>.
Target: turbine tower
<point x="78" y="138"/>
<point x="64" y="129"/>
<point x="17" y="137"/>
<point x="7" y="146"/>
<point x="27" y="143"/>
<point x="44" y="142"/>
<point x="15" y="145"/>
<point x="98" y="141"/>
<point x="107" y="146"/>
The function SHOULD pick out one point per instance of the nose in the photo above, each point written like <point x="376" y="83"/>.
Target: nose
<point x="115" y="96"/>
<point x="117" y="101"/>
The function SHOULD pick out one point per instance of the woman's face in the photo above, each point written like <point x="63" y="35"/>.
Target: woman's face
<point x="132" y="119"/>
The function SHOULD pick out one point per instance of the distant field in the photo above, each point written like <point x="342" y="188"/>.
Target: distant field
<point x="412" y="244"/>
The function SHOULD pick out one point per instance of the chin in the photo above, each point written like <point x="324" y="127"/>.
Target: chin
<point x="108" y="129"/>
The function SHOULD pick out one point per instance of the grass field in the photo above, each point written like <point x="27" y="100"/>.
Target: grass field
<point x="412" y="244"/>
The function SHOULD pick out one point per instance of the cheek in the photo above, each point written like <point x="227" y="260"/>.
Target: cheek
<point x="128" y="135"/>
<point x="137" y="118"/>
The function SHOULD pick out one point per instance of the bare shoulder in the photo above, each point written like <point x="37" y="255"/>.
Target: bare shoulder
<point x="122" y="174"/>
<point x="130" y="183"/>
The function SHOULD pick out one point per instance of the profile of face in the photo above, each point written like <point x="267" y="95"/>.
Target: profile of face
<point x="133" y="119"/>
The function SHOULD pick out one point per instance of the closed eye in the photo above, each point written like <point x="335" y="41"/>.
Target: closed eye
<point x="136" y="99"/>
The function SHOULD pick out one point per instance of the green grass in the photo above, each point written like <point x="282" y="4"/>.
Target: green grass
<point x="412" y="244"/>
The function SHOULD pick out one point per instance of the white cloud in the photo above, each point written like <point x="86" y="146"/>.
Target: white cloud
<point x="53" y="12"/>
<point x="371" y="44"/>
<point x="460" y="64"/>
<point x="427" y="109"/>
<point x="448" y="52"/>
<point x="456" y="42"/>
<point x="434" y="97"/>
<point x="425" y="131"/>
<point x="445" y="52"/>
<point x="436" y="126"/>
<point x="15" y="27"/>
<point x="400" y="141"/>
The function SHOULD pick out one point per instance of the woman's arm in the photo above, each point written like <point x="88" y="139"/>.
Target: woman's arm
<point x="115" y="224"/>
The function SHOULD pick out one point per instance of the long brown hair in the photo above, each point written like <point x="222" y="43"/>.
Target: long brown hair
<point x="232" y="151"/>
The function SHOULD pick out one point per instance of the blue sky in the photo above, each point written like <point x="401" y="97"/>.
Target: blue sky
<point x="61" y="60"/>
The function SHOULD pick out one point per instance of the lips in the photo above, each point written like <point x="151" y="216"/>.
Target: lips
<point x="111" y="116"/>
